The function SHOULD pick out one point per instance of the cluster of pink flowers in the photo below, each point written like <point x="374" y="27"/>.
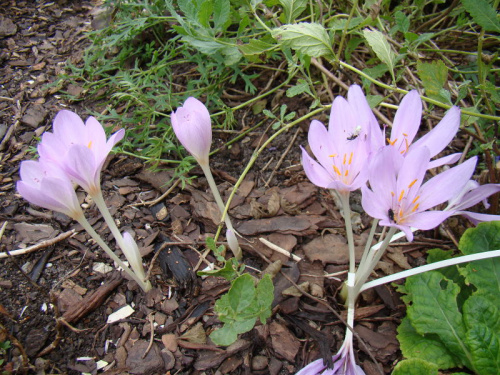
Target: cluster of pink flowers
<point x="391" y="173"/>
<point x="74" y="153"/>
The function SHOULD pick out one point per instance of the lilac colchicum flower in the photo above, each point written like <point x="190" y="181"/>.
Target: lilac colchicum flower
<point x="398" y="197"/>
<point x="46" y="185"/>
<point x="79" y="149"/>
<point x="343" y="151"/>
<point x="472" y="194"/>
<point x="344" y="362"/>
<point x="407" y="122"/>
<point x="192" y="126"/>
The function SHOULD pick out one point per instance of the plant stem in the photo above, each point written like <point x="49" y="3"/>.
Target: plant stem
<point x="430" y="267"/>
<point x="136" y="267"/>
<point x="86" y="225"/>
<point x="220" y="203"/>
<point x="346" y="210"/>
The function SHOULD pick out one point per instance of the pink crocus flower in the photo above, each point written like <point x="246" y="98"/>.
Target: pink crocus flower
<point x="399" y="198"/>
<point x="192" y="126"/>
<point x="407" y="122"/>
<point x="472" y="194"/>
<point x="79" y="148"/>
<point x="46" y="185"/>
<point x="343" y="151"/>
<point x="344" y="363"/>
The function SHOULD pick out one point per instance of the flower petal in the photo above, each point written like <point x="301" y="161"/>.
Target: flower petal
<point x="439" y="137"/>
<point x="342" y="121"/>
<point x="446" y="185"/>
<point x="407" y="120"/>
<point x="315" y="172"/>
<point x="449" y="159"/>
<point x="428" y="219"/>
<point x="69" y="127"/>
<point x="476" y="195"/>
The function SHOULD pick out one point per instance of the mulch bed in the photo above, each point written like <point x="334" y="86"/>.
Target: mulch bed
<point x="56" y="302"/>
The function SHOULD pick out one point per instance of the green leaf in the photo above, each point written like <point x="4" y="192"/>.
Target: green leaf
<point x="221" y="13"/>
<point x="484" y="274"/>
<point x="415" y="367"/>
<point x="292" y="9"/>
<point x="242" y="292"/>
<point x="434" y="310"/>
<point x="302" y="86"/>
<point x="229" y="271"/>
<point x="483" y="14"/>
<point x="308" y="38"/>
<point x="381" y="47"/>
<point x="255" y="47"/>
<point x="228" y="334"/>
<point x="482" y="320"/>
<point x="426" y="347"/>
<point x="264" y="297"/>
<point x="402" y="21"/>
<point x="434" y="76"/>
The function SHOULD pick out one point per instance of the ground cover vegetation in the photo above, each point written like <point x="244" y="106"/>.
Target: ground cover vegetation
<point x="251" y="62"/>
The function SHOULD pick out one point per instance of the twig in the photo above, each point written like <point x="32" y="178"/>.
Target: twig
<point x="38" y="246"/>
<point x="283" y="156"/>
<point x="159" y="199"/>
<point x="151" y="339"/>
<point x="280" y="250"/>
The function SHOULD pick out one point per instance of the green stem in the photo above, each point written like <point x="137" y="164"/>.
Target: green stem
<point x="86" y="225"/>
<point x="346" y="27"/>
<point x="428" y="100"/>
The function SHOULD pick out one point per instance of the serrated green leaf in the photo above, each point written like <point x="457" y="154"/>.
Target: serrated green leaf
<point x="300" y="87"/>
<point x="483" y="14"/>
<point x="483" y="274"/>
<point x="374" y="100"/>
<point x="482" y="319"/>
<point x="255" y="47"/>
<point x="434" y="76"/>
<point x="205" y="11"/>
<point x="402" y="21"/>
<point x="415" y="367"/>
<point x="434" y="310"/>
<point x="338" y="24"/>
<point x="292" y="9"/>
<point x="222" y="9"/>
<point x="378" y="42"/>
<point x="308" y="38"/>
<point x="426" y="347"/>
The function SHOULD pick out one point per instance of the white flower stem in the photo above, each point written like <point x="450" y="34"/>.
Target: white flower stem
<point x="86" y="225"/>
<point x="220" y="203"/>
<point x="137" y="267"/>
<point x="346" y="209"/>
<point x="430" y="267"/>
<point x="371" y="260"/>
<point x="369" y="240"/>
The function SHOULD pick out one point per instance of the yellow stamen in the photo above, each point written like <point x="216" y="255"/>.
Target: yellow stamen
<point x="415" y="208"/>
<point x="406" y="135"/>
<point x="350" y="158"/>
<point x="333" y="156"/>
<point x="345" y="157"/>
<point x="90" y="144"/>
<point x="416" y="199"/>
<point x="393" y="142"/>
<point x="401" y="195"/>
<point x="346" y="173"/>
<point x="412" y="183"/>
<point x="393" y="194"/>
<point x="337" y="170"/>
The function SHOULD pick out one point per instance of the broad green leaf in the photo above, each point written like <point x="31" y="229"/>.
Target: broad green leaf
<point x="292" y="9"/>
<point x="483" y="14"/>
<point x="482" y="320"/>
<point x="264" y="297"/>
<point x="434" y="310"/>
<point x="228" y="334"/>
<point x="231" y="54"/>
<point x="221" y="13"/>
<point x="374" y="100"/>
<point x="483" y="274"/>
<point x="426" y="347"/>
<point x="402" y="21"/>
<point x="241" y="293"/>
<point x="255" y="47"/>
<point x="229" y="272"/>
<point x="338" y="24"/>
<point x="415" y="367"/>
<point x="308" y="38"/>
<point x="204" y="13"/>
<point x="204" y="46"/>
<point x="378" y="42"/>
<point x="434" y="76"/>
